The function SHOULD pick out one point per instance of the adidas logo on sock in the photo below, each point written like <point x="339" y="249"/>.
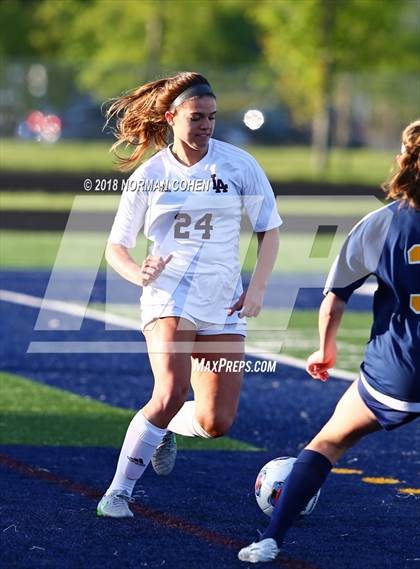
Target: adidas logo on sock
<point x="138" y="461"/>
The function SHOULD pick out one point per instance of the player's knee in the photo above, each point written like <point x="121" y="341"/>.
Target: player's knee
<point x="216" y="425"/>
<point x="171" y="401"/>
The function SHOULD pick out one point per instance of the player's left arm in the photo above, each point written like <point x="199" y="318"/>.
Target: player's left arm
<point x="330" y="314"/>
<point x="251" y="300"/>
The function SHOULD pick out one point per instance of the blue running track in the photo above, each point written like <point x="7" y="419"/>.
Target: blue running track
<point x="198" y="517"/>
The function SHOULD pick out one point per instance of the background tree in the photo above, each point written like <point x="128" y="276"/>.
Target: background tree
<point x="309" y="54"/>
<point x="120" y="44"/>
<point x="15" y="23"/>
<point x="311" y="42"/>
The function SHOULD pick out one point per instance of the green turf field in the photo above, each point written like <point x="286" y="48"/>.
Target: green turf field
<point x="31" y="250"/>
<point x="102" y="202"/>
<point x="36" y="414"/>
<point x="362" y="166"/>
<point x="44" y="201"/>
<point x="273" y="331"/>
<point x="79" y="250"/>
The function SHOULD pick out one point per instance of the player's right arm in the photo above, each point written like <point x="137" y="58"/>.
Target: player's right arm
<point x="358" y="258"/>
<point x="330" y="315"/>
<point x="127" y="224"/>
<point x="142" y="275"/>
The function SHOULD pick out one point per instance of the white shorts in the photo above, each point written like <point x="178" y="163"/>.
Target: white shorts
<point x="152" y="313"/>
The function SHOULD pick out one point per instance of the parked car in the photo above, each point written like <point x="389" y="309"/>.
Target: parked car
<point x="276" y="128"/>
<point x="84" y="120"/>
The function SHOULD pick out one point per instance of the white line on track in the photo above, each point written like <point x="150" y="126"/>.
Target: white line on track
<point x="296" y="362"/>
<point x="74" y="309"/>
<point x="70" y="308"/>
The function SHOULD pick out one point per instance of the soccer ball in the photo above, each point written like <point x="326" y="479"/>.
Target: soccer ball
<point x="269" y="484"/>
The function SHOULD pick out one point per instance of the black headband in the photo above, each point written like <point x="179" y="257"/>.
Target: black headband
<point x="194" y="91"/>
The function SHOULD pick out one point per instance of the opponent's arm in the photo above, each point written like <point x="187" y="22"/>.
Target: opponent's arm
<point x="142" y="275"/>
<point x="330" y="314"/>
<point x="251" y="300"/>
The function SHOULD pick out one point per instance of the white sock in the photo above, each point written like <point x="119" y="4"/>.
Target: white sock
<point x="184" y="423"/>
<point x="139" y="445"/>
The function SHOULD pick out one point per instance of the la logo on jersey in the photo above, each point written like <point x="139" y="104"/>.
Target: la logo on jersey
<point x="218" y="184"/>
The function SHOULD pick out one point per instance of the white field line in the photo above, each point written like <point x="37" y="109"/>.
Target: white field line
<point x="69" y="308"/>
<point x="293" y="335"/>
<point x="297" y="362"/>
<point x="132" y="324"/>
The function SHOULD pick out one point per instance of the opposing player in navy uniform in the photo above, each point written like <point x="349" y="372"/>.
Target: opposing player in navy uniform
<point x="188" y="199"/>
<point x="386" y="243"/>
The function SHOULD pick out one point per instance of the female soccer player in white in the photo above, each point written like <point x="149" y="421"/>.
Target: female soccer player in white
<point x="386" y="243"/>
<point x="188" y="199"/>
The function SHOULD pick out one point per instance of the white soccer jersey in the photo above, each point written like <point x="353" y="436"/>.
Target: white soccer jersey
<point x="194" y="212"/>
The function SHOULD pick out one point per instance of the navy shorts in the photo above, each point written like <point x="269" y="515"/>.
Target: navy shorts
<point x="388" y="418"/>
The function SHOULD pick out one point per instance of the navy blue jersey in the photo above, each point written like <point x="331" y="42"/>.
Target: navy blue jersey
<point x="386" y="243"/>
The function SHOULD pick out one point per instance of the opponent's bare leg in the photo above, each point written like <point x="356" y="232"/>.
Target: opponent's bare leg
<point x="351" y="421"/>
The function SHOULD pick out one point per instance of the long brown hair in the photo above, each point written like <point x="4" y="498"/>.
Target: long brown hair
<point x="140" y="115"/>
<point x="405" y="183"/>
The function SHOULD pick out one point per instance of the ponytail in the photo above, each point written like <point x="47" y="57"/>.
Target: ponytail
<point x="405" y="183"/>
<point x="140" y="116"/>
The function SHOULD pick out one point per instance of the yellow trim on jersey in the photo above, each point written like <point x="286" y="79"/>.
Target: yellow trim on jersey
<point x="415" y="303"/>
<point x="413" y="255"/>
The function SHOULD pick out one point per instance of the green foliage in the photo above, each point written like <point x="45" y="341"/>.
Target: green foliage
<point x="15" y="24"/>
<point x="52" y="23"/>
<point x="215" y="32"/>
<point x="307" y="40"/>
<point x="118" y="45"/>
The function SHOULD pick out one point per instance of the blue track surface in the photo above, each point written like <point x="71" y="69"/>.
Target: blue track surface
<point x="308" y="288"/>
<point x="45" y="524"/>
